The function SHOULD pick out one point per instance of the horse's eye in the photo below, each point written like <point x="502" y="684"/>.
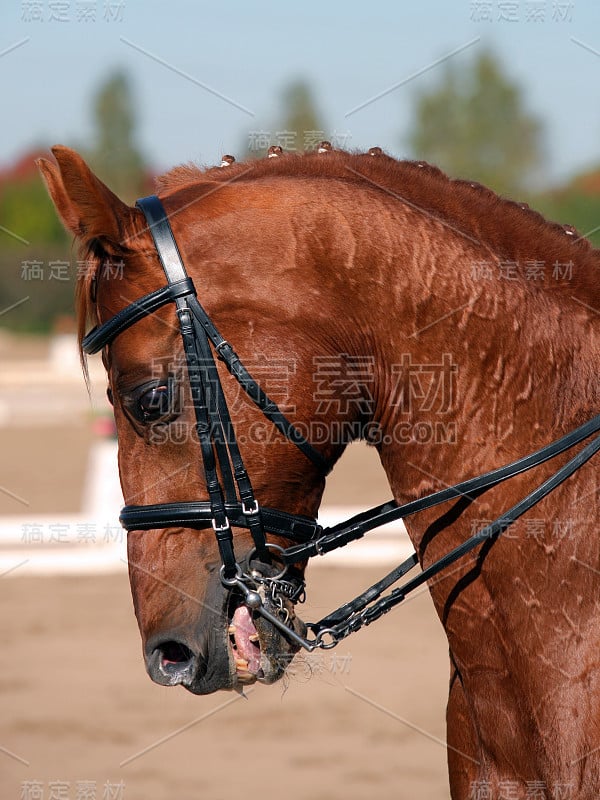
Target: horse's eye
<point x="154" y="403"/>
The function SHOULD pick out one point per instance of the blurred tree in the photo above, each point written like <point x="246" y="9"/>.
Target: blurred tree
<point x="116" y="157"/>
<point x="299" y="127"/>
<point x="26" y="210"/>
<point x="34" y="250"/>
<point x="474" y="125"/>
<point x="37" y="259"/>
<point x="301" y="118"/>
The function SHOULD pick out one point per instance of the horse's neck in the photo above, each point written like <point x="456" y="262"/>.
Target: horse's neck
<point x="490" y="371"/>
<point x="521" y="369"/>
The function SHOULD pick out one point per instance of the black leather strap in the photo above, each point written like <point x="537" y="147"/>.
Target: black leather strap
<point x="270" y="409"/>
<point x="173" y="266"/>
<point x="348" y="618"/>
<point x="103" y="334"/>
<point x="166" y="246"/>
<point x="198" y="514"/>
<point x="204" y="428"/>
<point x="371" y="594"/>
<point x="356" y="527"/>
<point x="503" y="522"/>
<point x="215" y="431"/>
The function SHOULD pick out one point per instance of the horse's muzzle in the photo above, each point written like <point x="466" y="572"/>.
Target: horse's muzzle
<point x="227" y="647"/>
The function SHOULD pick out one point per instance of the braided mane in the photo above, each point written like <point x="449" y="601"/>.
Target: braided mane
<point x="511" y="230"/>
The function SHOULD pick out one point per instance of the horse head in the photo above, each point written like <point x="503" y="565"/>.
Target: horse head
<point x="195" y="630"/>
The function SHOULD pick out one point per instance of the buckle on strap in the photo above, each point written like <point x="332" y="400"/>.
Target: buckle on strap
<point x="218" y="347"/>
<point x="250" y="512"/>
<point x="220" y="528"/>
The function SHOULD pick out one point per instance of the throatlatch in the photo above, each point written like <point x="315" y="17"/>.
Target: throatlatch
<point x="232" y="502"/>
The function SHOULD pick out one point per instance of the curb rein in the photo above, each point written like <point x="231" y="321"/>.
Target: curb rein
<point x="231" y="500"/>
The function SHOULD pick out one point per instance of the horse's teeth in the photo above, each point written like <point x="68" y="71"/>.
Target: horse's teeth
<point x="231" y="629"/>
<point x="253" y="637"/>
<point x="241" y="662"/>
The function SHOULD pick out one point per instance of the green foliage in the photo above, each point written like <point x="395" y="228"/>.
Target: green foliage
<point x="474" y="125"/>
<point x="45" y="275"/>
<point x="116" y="157"/>
<point x="298" y="126"/>
<point x="300" y="114"/>
<point x="27" y="211"/>
<point x="45" y="268"/>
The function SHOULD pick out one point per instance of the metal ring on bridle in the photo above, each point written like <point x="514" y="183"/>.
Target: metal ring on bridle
<point x="322" y="644"/>
<point x="271" y="546"/>
<point x="237" y="578"/>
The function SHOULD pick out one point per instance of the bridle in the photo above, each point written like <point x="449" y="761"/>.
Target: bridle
<point x="232" y="502"/>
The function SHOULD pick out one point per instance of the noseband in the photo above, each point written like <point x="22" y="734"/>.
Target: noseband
<point x="232" y="503"/>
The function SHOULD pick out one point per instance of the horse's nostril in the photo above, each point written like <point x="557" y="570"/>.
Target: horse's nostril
<point x="173" y="653"/>
<point x="170" y="662"/>
<point x="173" y="660"/>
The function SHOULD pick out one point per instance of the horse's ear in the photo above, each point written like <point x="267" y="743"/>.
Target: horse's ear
<point x="85" y="205"/>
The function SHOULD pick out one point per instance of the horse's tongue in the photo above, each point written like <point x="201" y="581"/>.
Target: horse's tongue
<point x="244" y="629"/>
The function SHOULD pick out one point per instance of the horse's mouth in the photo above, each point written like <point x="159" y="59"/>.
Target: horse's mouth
<point x="231" y="644"/>
<point x="245" y="646"/>
<point x="259" y="652"/>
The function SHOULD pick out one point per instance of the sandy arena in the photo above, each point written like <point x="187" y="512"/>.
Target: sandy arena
<point x="80" y="715"/>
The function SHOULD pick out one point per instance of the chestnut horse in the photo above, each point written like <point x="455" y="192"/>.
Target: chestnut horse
<point x="389" y="295"/>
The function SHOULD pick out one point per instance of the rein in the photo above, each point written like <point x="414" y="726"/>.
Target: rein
<point x="232" y="502"/>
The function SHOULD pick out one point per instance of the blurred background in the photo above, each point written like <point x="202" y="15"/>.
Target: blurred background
<point x="498" y="91"/>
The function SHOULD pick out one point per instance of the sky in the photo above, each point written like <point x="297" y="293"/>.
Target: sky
<point x="208" y="76"/>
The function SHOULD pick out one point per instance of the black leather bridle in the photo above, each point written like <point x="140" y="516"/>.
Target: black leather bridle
<point x="232" y="502"/>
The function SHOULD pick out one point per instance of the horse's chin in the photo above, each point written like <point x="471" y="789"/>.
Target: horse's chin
<point x="276" y="652"/>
